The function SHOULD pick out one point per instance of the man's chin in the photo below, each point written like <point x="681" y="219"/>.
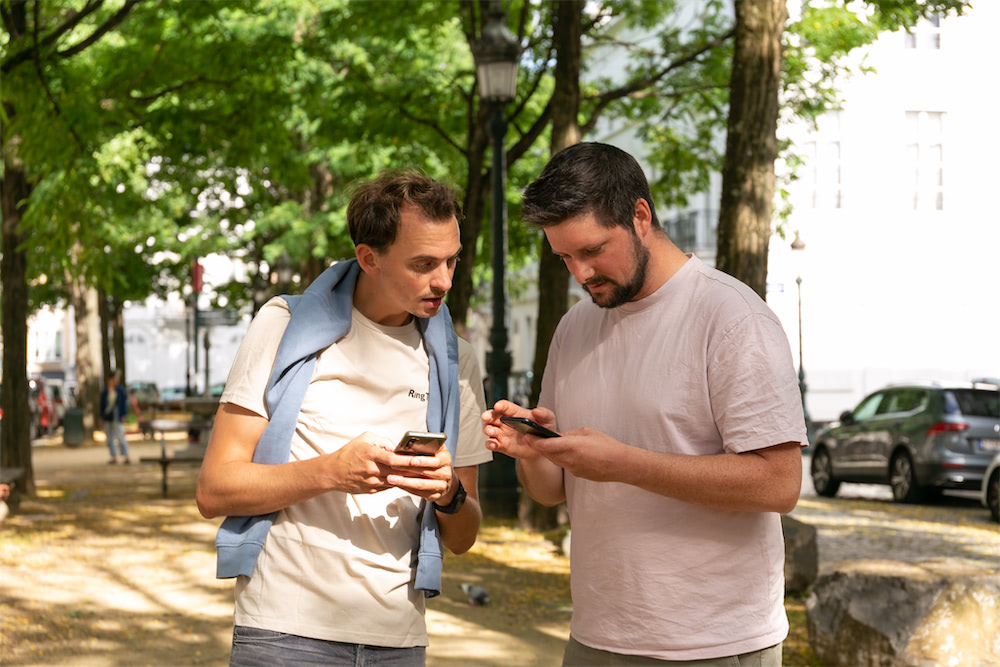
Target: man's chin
<point x="428" y="308"/>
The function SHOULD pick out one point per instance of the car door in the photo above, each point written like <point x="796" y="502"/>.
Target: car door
<point x="853" y="439"/>
<point x="892" y="426"/>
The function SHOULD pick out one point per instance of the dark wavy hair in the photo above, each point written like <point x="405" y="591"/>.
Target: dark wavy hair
<point x="584" y="178"/>
<point x="375" y="206"/>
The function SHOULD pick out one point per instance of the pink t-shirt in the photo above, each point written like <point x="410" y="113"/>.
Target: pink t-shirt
<point x="699" y="367"/>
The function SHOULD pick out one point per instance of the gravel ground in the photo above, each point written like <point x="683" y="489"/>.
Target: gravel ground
<point x="863" y="522"/>
<point x="108" y="573"/>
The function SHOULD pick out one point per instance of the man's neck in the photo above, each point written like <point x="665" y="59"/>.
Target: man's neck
<point x="665" y="260"/>
<point x="369" y="302"/>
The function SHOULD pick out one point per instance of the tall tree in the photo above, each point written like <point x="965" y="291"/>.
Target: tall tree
<point x="761" y="72"/>
<point x="553" y="302"/>
<point x="751" y="142"/>
<point x="90" y="92"/>
<point x="22" y="65"/>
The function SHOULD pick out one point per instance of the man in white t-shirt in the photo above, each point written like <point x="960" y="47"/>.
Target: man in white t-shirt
<point x="681" y="425"/>
<point x="334" y="581"/>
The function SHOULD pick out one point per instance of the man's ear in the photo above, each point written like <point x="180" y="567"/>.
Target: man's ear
<point x="367" y="258"/>
<point x="642" y="218"/>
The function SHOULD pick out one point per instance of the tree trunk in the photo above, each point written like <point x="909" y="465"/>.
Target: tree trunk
<point x="473" y="207"/>
<point x="751" y="145"/>
<point x="553" y="278"/>
<point x="88" y="352"/>
<point x="108" y="361"/>
<point x="117" y="329"/>
<point x="15" y="437"/>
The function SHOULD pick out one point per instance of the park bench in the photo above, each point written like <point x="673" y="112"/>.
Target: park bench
<point x="160" y="427"/>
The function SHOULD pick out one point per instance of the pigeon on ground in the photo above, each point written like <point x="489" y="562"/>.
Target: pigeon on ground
<point x="477" y="594"/>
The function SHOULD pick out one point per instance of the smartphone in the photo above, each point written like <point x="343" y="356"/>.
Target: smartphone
<point x="525" y="425"/>
<point x="420" y="443"/>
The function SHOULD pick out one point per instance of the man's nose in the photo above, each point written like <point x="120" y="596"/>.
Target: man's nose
<point x="582" y="271"/>
<point x="441" y="280"/>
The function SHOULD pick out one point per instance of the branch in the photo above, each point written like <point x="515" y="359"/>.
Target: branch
<point x="434" y="127"/>
<point x="522" y="145"/>
<point x="69" y="24"/>
<point x="101" y="29"/>
<point x="146" y="99"/>
<point x="609" y="96"/>
<point x="641" y="84"/>
<point x="37" y="59"/>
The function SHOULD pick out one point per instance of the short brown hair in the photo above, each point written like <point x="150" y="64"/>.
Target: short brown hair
<point x="373" y="213"/>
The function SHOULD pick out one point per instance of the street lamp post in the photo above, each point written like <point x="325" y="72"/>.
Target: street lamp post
<point x="799" y="244"/>
<point x="496" y="54"/>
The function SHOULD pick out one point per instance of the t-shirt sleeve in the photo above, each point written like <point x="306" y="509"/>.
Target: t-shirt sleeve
<point x="753" y="387"/>
<point x="251" y="368"/>
<point x="471" y="448"/>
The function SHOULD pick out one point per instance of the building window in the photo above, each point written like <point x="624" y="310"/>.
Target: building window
<point x="925" y="35"/>
<point x="684" y="231"/>
<point x="925" y="154"/>
<point x="823" y="168"/>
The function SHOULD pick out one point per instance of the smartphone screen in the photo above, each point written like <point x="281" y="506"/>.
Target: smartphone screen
<point x="525" y="425"/>
<point x="420" y="443"/>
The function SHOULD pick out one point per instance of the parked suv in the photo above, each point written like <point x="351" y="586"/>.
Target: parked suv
<point x="918" y="439"/>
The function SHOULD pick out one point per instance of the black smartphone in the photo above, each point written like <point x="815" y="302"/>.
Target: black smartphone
<point x="525" y="425"/>
<point x="420" y="443"/>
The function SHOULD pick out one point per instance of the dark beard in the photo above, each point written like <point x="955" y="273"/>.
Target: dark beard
<point x="623" y="293"/>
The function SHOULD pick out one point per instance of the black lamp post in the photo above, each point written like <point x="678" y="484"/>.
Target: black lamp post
<point x="283" y="272"/>
<point x="799" y="244"/>
<point x="496" y="55"/>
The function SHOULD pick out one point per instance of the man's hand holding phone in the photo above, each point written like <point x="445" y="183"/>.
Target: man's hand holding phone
<point x="422" y="465"/>
<point x="509" y="429"/>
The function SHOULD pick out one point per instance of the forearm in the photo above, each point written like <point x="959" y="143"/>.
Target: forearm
<point x="542" y="479"/>
<point x="459" y="531"/>
<point x="767" y="480"/>
<point x="239" y="488"/>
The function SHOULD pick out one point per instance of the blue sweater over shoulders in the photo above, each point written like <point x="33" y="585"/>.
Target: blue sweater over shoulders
<point x="320" y="317"/>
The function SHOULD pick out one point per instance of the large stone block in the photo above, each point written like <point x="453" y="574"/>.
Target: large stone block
<point x="876" y="613"/>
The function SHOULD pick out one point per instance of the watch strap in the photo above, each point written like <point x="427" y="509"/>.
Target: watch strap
<point x="456" y="502"/>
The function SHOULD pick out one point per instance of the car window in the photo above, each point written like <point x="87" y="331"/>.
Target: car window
<point x="909" y="399"/>
<point x="868" y="407"/>
<point x="972" y="402"/>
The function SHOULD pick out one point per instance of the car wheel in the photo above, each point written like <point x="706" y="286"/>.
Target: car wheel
<point x="993" y="495"/>
<point x="903" y="479"/>
<point x="821" y="470"/>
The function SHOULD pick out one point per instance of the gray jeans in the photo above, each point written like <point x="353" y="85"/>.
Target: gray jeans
<point x="578" y="655"/>
<point x="253" y="647"/>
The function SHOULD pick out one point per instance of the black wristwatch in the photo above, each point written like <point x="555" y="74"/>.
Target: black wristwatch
<point x="456" y="502"/>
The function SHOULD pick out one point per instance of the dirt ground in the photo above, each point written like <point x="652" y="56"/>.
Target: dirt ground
<point x="100" y="570"/>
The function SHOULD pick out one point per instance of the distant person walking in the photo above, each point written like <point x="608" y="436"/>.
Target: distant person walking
<point x="114" y="408"/>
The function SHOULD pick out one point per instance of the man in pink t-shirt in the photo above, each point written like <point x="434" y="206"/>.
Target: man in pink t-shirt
<point x="681" y="424"/>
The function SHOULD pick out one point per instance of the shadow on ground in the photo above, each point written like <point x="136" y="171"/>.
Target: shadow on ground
<point x="100" y="570"/>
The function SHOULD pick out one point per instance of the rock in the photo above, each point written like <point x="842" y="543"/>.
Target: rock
<point x="876" y="613"/>
<point x="801" y="556"/>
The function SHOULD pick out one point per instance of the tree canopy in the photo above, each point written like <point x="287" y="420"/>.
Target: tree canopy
<point x="139" y="135"/>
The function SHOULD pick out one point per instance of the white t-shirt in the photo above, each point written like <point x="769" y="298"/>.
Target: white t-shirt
<point x="341" y="566"/>
<point x="699" y="367"/>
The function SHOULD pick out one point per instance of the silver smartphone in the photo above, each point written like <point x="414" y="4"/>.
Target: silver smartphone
<point x="420" y="443"/>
